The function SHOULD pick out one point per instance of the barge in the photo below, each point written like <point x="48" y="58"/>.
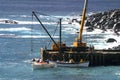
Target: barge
<point x="79" y="52"/>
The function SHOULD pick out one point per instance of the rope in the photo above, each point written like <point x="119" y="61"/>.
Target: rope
<point x="31" y="36"/>
<point x="51" y="18"/>
<point x="54" y="33"/>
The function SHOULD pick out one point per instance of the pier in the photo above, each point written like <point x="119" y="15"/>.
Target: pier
<point x="96" y="58"/>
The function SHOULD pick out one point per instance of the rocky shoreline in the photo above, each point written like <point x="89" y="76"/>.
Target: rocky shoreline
<point x="107" y="20"/>
<point x="104" y="20"/>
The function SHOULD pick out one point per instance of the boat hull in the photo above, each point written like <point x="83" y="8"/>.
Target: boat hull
<point x="74" y="65"/>
<point x="39" y="65"/>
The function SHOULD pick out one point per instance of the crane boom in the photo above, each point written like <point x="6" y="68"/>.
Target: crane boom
<point x="45" y="29"/>
<point x="78" y="42"/>
<point x="83" y="20"/>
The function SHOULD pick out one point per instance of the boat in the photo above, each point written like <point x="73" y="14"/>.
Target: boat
<point x="81" y="64"/>
<point x="41" y="65"/>
<point x="74" y="65"/>
<point x="61" y="52"/>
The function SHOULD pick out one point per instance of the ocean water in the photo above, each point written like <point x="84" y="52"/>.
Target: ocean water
<point x="21" y="42"/>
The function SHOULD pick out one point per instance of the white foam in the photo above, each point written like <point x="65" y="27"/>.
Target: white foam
<point x="117" y="73"/>
<point x="34" y="36"/>
<point x="117" y="38"/>
<point x="15" y="29"/>
<point x="27" y="22"/>
<point x="102" y="44"/>
<point x="1" y="19"/>
<point x="23" y="16"/>
<point x="36" y="22"/>
<point x="105" y="45"/>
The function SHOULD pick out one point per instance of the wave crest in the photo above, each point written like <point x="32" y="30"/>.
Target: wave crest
<point x="15" y="29"/>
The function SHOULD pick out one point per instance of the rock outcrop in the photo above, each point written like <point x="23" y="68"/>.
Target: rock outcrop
<point x="105" y="20"/>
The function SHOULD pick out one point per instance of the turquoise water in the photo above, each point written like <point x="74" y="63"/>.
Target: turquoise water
<point x="17" y="47"/>
<point x="23" y="71"/>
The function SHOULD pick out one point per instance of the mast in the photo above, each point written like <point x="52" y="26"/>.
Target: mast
<point x="60" y="32"/>
<point x="45" y="29"/>
<point x="78" y="42"/>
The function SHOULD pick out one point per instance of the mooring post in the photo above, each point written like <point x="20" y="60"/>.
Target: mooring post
<point x="41" y="53"/>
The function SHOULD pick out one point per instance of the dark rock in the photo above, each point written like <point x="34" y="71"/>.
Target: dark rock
<point x="10" y="22"/>
<point x="105" y="20"/>
<point x="89" y="29"/>
<point x="116" y="27"/>
<point x="110" y="40"/>
<point x="111" y="24"/>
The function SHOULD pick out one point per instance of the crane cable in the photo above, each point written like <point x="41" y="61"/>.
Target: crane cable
<point x="32" y="35"/>
<point x="54" y="33"/>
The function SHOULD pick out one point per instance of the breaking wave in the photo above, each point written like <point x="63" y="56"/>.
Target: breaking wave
<point x="8" y="21"/>
<point x="25" y="36"/>
<point x="15" y="29"/>
<point x="30" y="22"/>
<point x="34" y="36"/>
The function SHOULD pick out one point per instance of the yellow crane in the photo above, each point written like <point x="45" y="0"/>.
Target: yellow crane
<point x="78" y="41"/>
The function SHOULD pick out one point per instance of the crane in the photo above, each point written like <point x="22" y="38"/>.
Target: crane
<point x="78" y="41"/>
